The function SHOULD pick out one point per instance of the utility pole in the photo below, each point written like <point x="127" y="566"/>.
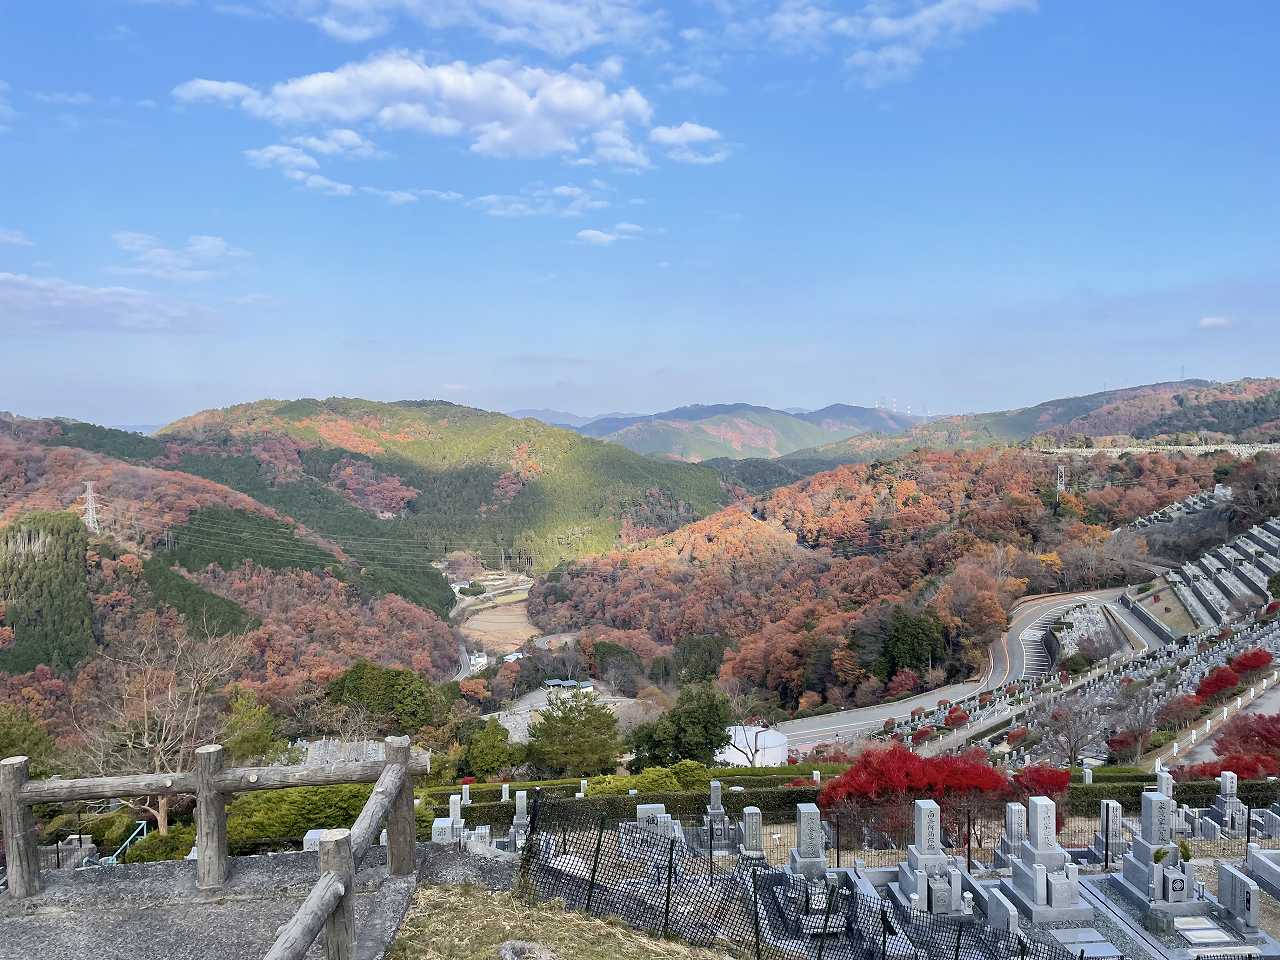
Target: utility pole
<point x="91" y="509"/>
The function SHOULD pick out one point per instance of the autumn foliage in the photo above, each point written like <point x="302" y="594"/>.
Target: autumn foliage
<point x="1251" y="660"/>
<point x="1219" y="680"/>
<point x="896" y="774"/>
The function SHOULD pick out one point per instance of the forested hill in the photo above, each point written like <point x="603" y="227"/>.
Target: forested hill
<point x="738" y="430"/>
<point x="441" y="475"/>
<point x="1184" y="411"/>
<point x="852" y="584"/>
<point x="180" y="555"/>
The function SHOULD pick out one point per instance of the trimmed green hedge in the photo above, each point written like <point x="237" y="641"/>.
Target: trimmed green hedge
<point x="1082" y="799"/>
<point x="1114" y="774"/>
<point x="775" y="804"/>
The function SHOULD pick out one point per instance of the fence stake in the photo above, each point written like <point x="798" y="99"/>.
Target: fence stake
<point x="755" y="896"/>
<point x="1248" y="830"/>
<point x="968" y="845"/>
<point x="22" y="856"/>
<point x="711" y="857"/>
<point x="340" y="927"/>
<point x="837" y="841"/>
<point x="826" y="920"/>
<point x="1106" y="839"/>
<point x="402" y="827"/>
<point x="671" y="869"/>
<point x="959" y="934"/>
<point x="211" y="820"/>
<point x="595" y="864"/>
<point x="533" y="817"/>
<point x="884" y="933"/>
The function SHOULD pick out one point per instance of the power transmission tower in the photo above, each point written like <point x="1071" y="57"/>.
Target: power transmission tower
<point x="91" y="509"/>
<point x="1062" y="482"/>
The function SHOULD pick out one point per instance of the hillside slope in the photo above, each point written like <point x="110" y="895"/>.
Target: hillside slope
<point x="740" y="430"/>
<point x="822" y="591"/>
<point x="1183" y="411"/>
<point x="427" y="477"/>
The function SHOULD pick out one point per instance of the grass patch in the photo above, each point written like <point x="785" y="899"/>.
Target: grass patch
<point x="465" y="923"/>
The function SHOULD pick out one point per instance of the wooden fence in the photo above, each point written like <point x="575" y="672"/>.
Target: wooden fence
<point x="330" y="904"/>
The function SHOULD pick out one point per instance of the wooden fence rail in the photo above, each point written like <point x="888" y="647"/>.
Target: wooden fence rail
<point x="211" y="782"/>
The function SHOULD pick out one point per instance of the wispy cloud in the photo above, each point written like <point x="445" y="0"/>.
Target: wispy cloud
<point x="607" y="238"/>
<point x="76" y="98"/>
<point x="691" y="143"/>
<point x="503" y="109"/>
<point x="202" y="257"/>
<point x="48" y="304"/>
<point x="540" y="200"/>
<point x="1214" y="323"/>
<point x="14" y="238"/>
<point x="7" y="113"/>
<point x="557" y="27"/>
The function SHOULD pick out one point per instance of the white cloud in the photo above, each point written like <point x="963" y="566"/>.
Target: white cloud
<point x="242" y="10"/>
<point x="558" y="27"/>
<point x="321" y="184"/>
<point x="284" y="157"/>
<point x="14" y="238"/>
<point x="691" y="143"/>
<point x="620" y="231"/>
<point x="503" y="108"/>
<point x="539" y="200"/>
<point x="397" y="198"/>
<point x="7" y="113"/>
<point x="202" y="257"/>
<point x="1214" y="323"/>
<point x="77" y="98"/>
<point x="340" y="142"/>
<point x="35" y="303"/>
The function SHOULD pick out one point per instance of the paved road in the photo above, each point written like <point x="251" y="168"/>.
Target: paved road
<point x="1008" y="663"/>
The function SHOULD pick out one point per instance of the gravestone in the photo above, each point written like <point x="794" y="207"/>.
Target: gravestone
<point x="506" y="792"/>
<point x="1044" y="883"/>
<point x="1109" y="849"/>
<point x="1015" y="831"/>
<point x="466" y="794"/>
<point x="519" y="822"/>
<point x="751" y="834"/>
<point x="1239" y="896"/>
<point x="1153" y="873"/>
<point x="808" y="858"/>
<point x="716" y="832"/>
<point x="929" y="880"/>
<point x="1086" y="775"/>
<point x="1228" y="811"/>
<point x="1164" y="783"/>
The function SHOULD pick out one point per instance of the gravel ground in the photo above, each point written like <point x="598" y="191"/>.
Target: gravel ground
<point x="154" y="912"/>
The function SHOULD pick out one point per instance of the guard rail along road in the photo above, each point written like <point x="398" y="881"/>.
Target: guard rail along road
<point x="329" y="905"/>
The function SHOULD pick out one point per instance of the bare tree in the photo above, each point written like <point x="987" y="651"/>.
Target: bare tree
<point x="1070" y="725"/>
<point x="156" y="694"/>
<point x="746" y="711"/>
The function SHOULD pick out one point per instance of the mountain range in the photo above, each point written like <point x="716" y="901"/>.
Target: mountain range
<point x="733" y="430"/>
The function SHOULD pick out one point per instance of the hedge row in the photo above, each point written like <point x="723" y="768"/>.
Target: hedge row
<point x="1082" y="799"/>
<point x="1114" y="774"/>
<point x="777" y="805"/>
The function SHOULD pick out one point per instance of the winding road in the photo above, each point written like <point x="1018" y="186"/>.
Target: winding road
<point x="1008" y="662"/>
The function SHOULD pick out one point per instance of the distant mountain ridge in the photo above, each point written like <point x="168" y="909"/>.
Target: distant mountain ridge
<point x="739" y="430"/>
<point x="1182" y="411"/>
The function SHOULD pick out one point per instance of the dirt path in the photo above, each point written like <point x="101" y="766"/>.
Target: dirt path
<point x="501" y="628"/>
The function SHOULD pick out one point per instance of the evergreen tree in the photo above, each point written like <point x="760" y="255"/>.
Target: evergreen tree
<point x="575" y="736"/>
<point x="694" y="729"/>
<point x="22" y="735"/>
<point x="488" y="750"/>
<point x="44" y="590"/>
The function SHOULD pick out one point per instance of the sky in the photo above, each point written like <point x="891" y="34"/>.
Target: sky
<point x="598" y="205"/>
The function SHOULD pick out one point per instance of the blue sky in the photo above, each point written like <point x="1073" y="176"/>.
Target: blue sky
<point x="632" y="204"/>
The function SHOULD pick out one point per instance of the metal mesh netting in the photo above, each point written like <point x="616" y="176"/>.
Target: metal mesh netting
<point x="742" y="904"/>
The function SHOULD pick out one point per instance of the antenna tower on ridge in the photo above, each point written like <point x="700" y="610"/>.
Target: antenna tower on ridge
<point x="91" y="508"/>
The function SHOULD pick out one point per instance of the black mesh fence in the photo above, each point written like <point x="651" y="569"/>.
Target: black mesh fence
<point x="675" y="887"/>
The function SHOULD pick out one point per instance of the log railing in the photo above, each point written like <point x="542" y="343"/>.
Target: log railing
<point x="211" y="782"/>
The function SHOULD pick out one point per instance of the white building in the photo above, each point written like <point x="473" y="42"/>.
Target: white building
<point x="754" y="747"/>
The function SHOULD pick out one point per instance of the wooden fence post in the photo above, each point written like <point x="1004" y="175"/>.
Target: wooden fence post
<point x="402" y="825"/>
<point x="21" y="853"/>
<point x="211" y="820"/>
<point x="340" y="927"/>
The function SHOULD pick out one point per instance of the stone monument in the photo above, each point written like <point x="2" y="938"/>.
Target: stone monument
<point x="1045" y="884"/>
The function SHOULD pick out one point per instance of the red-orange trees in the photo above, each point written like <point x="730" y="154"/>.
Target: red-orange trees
<point x="956" y="717"/>
<point x="896" y="774"/>
<point x="1218" y="681"/>
<point x="1251" y="660"/>
<point x="1180" y="711"/>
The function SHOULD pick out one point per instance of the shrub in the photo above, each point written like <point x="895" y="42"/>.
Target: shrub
<point x="651" y="780"/>
<point x="894" y="773"/>
<point x="1220" y="680"/>
<point x="922" y="734"/>
<point x="1016" y="736"/>
<point x="173" y="845"/>
<point x="1251" y="660"/>
<point x="956" y="717"/>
